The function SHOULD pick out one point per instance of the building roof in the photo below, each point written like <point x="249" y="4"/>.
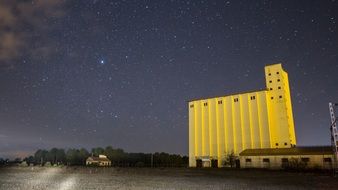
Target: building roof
<point x="240" y="93"/>
<point x="98" y="159"/>
<point x="318" y="150"/>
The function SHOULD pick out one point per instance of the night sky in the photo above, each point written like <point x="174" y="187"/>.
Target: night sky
<point x="97" y="73"/>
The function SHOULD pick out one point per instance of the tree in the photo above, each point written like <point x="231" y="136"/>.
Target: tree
<point x="29" y="160"/>
<point x="83" y="154"/>
<point x="40" y="156"/>
<point x="97" y="151"/>
<point x="73" y="157"/>
<point x="230" y="159"/>
<point x="60" y="156"/>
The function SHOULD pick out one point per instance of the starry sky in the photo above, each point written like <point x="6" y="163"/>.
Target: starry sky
<point x="97" y="72"/>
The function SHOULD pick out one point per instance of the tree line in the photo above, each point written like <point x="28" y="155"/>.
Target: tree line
<point x="118" y="157"/>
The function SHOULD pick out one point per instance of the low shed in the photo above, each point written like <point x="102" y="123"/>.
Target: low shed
<point x="305" y="157"/>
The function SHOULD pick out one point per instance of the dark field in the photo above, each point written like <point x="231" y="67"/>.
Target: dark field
<point x="147" y="178"/>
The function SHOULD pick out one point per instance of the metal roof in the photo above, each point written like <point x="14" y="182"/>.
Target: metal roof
<point x="314" y="150"/>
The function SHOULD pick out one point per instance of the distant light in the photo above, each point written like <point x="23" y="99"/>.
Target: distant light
<point x="102" y="62"/>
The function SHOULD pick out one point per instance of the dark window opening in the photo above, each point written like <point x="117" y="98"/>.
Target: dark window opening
<point x="285" y="160"/>
<point x="205" y="104"/>
<point x="192" y="105"/>
<point x="220" y="102"/>
<point x="199" y="163"/>
<point x="285" y="144"/>
<point x="327" y="160"/>
<point x="236" y="100"/>
<point x="280" y="96"/>
<point x="270" y="81"/>
<point x="276" y="144"/>
<point x="266" y="160"/>
<point x="214" y="163"/>
<point x="248" y="160"/>
<point x="277" y="73"/>
<point x="278" y="80"/>
<point x="252" y="97"/>
<point x="305" y="159"/>
<point x="279" y="87"/>
<point x="271" y="97"/>
<point x="269" y="74"/>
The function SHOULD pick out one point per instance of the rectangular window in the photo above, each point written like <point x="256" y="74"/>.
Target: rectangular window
<point x="270" y="88"/>
<point x="285" y="160"/>
<point x="252" y="97"/>
<point x="277" y="72"/>
<point x="280" y="96"/>
<point x="205" y="104"/>
<point x="276" y="144"/>
<point x="269" y="74"/>
<point x="267" y="160"/>
<point x="235" y="99"/>
<point x="279" y="87"/>
<point x="219" y="101"/>
<point x="327" y="160"/>
<point x="271" y="97"/>
<point x="248" y="160"/>
<point x="278" y="80"/>
<point x="305" y="159"/>
<point x="192" y="105"/>
<point x="270" y="81"/>
<point x="285" y="144"/>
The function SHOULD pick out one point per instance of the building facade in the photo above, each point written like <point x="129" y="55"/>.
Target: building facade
<point x="288" y="158"/>
<point x="261" y="119"/>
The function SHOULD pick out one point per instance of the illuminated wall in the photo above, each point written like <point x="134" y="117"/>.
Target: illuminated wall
<point x="261" y="119"/>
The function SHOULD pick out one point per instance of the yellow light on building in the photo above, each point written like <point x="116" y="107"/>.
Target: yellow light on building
<point x="260" y="119"/>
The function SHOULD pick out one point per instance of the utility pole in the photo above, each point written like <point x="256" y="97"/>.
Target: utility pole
<point x="334" y="134"/>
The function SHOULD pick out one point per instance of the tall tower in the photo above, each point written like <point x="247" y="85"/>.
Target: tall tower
<point x="281" y="125"/>
<point x="219" y="126"/>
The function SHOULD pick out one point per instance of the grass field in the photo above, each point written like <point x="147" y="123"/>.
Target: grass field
<point x="71" y="178"/>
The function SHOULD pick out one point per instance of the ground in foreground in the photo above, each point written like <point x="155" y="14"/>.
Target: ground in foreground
<point x="154" y="178"/>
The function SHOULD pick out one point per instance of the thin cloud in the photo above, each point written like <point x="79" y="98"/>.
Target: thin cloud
<point x="15" y="15"/>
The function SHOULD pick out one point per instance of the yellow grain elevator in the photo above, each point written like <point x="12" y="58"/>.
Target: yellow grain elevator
<point x="233" y="123"/>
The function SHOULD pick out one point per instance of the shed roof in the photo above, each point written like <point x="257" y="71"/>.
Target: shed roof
<point x="314" y="150"/>
<point x="98" y="159"/>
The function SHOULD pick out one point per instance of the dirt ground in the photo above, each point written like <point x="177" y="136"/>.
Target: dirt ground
<point x="72" y="178"/>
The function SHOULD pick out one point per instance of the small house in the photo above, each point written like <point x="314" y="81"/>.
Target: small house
<point x="102" y="160"/>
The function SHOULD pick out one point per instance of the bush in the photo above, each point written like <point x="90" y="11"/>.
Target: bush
<point x="24" y="164"/>
<point x="139" y="164"/>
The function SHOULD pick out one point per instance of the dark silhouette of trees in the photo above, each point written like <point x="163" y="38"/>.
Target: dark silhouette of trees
<point x="40" y="156"/>
<point x="118" y="157"/>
